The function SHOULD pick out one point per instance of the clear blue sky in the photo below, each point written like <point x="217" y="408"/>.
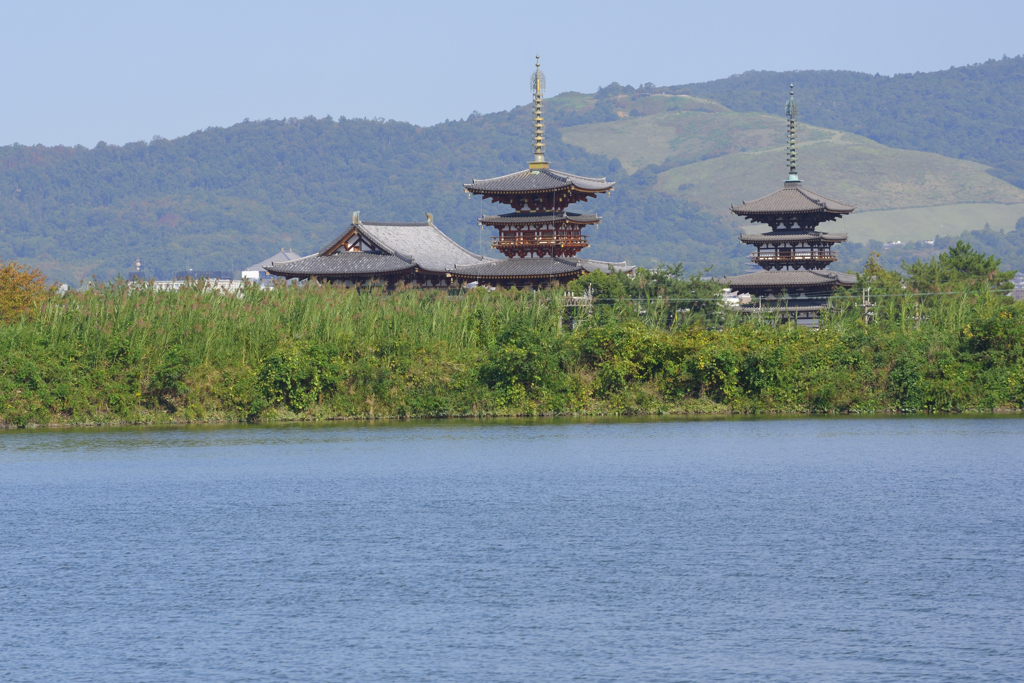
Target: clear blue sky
<point x="77" y="73"/>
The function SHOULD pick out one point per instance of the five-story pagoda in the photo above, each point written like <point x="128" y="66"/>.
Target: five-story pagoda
<point x="794" y="254"/>
<point x="540" y="237"/>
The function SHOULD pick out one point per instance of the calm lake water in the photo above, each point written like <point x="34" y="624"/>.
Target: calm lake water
<point x="672" y="550"/>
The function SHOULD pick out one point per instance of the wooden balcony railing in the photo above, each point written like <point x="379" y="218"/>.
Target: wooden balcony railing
<point x="541" y="241"/>
<point x="791" y="256"/>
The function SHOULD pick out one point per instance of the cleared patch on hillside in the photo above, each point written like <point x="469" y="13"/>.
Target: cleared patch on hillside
<point x="924" y="223"/>
<point x="848" y="168"/>
<point x="683" y="137"/>
<point x="635" y="106"/>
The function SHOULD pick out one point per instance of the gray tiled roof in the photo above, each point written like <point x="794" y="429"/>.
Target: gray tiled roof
<point x="546" y="180"/>
<point x="544" y="217"/>
<point x="336" y="242"/>
<point x="279" y="257"/>
<point x="790" y="278"/>
<point x="354" y="263"/>
<point x="402" y="246"/>
<point x="522" y="267"/>
<point x="427" y="246"/>
<point x="421" y="244"/>
<point x="784" y="236"/>
<point x="791" y="199"/>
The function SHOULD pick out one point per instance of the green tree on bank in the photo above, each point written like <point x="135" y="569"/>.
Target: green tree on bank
<point x="960" y="266"/>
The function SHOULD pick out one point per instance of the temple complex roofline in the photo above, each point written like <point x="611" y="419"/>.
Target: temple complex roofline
<point x="387" y="251"/>
<point x="419" y="253"/>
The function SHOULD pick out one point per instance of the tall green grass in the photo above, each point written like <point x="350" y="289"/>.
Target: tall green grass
<point x="129" y="354"/>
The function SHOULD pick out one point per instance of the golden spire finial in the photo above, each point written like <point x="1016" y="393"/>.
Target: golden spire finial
<point x="791" y="112"/>
<point x="537" y="85"/>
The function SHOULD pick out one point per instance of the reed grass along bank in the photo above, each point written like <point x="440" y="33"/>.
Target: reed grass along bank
<point x="126" y="354"/>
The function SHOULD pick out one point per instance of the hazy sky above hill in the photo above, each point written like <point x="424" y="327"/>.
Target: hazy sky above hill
<point x="77" y="73"/>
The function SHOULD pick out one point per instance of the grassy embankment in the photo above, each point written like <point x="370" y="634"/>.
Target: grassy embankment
<point x="118" y="355"/>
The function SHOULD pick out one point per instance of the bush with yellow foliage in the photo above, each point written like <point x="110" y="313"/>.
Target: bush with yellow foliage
<point x="21" y="288"/>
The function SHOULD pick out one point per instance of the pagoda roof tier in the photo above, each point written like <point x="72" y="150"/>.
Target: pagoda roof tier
<point x="541" y="218"/>
<point x="792" y="237"/>
<point x="792" y="205"/>
<point x="781" y="279"/>
<point x="537" y="182"/>
<point x="523" y="267"/>
<point x="532" y="268"/>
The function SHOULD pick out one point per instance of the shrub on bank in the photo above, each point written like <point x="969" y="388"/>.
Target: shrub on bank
<point x="21" y="289"/>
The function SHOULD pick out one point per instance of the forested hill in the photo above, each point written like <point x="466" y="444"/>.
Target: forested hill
<point x="971" y="112"/>
<point x="225" y="198"/>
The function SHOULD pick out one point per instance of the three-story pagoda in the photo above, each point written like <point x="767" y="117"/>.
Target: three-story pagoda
<point x="540" y="237"/>
<point x="794" y="255"/>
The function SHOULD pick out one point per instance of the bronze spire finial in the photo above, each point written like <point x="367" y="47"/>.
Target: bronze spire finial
<point x="791" y="112"/>
<point x="537" y="85"/>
